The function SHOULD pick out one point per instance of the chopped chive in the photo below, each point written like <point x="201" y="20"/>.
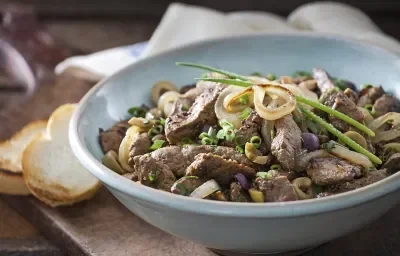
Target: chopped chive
<point x="256" y="141"/>
<point x="230" y="134"/>
<point x="276" y="167"/>
<point x="153" y="175"/>
<point x="240" y="149"/>
<point x="137" y="112"/>
<point x="225" y="124"/>
<point x="236" y="82"/>
<point x="271" y="76"/>
<point x="221" y="134"/>
<point x="351" y="143"/>
<point x="207" y="141"/>
<point x="245" y="113"/>
<point x="162" y="121"/>
<point x="244" y="100"/>
<point x="337" y="114"/>
<point x="155" y="130"/>
<point x="203" y="135"/>
<point x="208" y="68"/>
<point x="157" y="144"/>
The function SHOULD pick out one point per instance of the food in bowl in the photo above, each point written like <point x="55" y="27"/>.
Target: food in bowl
<point x="231" y="137"/>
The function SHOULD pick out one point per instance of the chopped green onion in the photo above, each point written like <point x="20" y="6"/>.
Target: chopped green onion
<point x="237" y="82"/>
<point x="271" y="77"/>
<point x="221" y="134"/>
<point x="162" y="121"/>
<point x="208" y="68"/>
<point x="240" y="149"/>
<point x="256" y="141"/>
<point x="207" y="141"/>
<point x="157" y="144"/>
<point x="212" y="133"/>
<point x="256" y="74"/>
<point x="203" y="135"/>
<point x="244" y="100"/>
<point x="351" y="143"/>
<point x="230" y="134"/>
<point x="370" y="108"/>
<point x="245" y="113"/>
<point x="302" y="73"/>
<point x="225" y="124"/>
<point x="155" y="130"/>
<point x="153" y="175"/>
<point x="337" y="114"/>
<point x="339" y="83"/>
<point x="137" y="112"/>
<point x="264" y="175"/>
<point x="366" y="86"/>
<point x="276" y="167"/>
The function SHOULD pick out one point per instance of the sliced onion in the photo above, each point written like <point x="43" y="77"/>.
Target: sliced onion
<point x="273" y="113"/>
<point x="266" y="132"/>
<point x="159" y="87"/>
<point x="141" y="123"/>
<point x="168" y="108"/>
<point x="244" y="182"/>
<point x="298" y="91"/>
<point x="123" y="153"/>
<point x="220" y="110"/>
<point x="206" y="189"/>
<point x="170" y="96"/>
<point x="110" y="160"/>
<point x="230" y="101"/>
<point x="391" y="116"/>
<point x="304" y="158"/>
<point x="368" y="118"/>
<point x="386" y="136"/>
<point x="254" y="154"/>
<point x="350" y="156"/>
<point x="392" y="146"/>
<point x="308" y="84"/>
<point x="258" y="80"/>
<point x="310" y="141"/>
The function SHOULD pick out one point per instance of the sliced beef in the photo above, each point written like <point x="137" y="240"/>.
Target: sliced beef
<point x="337" y="100"/>
<point x="178" y="158"/>
<point x="324" y="81"/>
<point x="238" y="194"/>
<point x="210" y="166"/>
<point x="186" y="185"/>
<point x="352" y="95"/>
<point x="369" y="95"/>
<point x="156" y="177"/>
<point x="277" y="189"/>
<point x="185" y="101"/>
<point x="287" y="142"/>
<point x="385" y="104"/>
<point x="371" y="177"/>
<point x="250" y="127"/>
<point x="393" y="163"/>
<point x="111" y="139"/>
<point x="140" y="146"/>
<point x="189" y="124"/>
<point x="331" y="170"/>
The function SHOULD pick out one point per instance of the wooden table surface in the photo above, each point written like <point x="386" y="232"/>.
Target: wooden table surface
<point x="17" y="236"/>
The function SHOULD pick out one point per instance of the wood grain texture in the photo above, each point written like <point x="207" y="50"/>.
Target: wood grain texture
<point x="100" y="227"/>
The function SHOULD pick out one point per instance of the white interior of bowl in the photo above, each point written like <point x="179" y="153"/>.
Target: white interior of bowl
<point x="281" y="54"/>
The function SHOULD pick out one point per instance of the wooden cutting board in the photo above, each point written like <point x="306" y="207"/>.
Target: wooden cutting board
<point x="102" y="226"/>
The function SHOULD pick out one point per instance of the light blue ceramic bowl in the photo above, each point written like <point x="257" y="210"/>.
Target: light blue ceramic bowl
<point x="255" y="228"/>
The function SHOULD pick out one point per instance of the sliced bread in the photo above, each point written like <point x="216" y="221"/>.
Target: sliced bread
<point x="51" y="170"/>
<point x="11" y="178"/>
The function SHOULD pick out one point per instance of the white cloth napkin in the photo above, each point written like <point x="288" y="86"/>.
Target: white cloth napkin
<point x="183" y="24"/>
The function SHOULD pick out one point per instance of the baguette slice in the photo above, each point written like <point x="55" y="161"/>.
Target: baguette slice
<point x="11" y="178"/>
<point x="51" y="170"/>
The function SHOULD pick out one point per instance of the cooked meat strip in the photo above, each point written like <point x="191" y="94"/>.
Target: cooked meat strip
<point x="178" y="158"/>
<point x="352" y="95"/>
<point x="369" y="95"/>
<point x="340" y="102"/>
<point x="331" y="170"/>
<point x="393" y="163"/>
<point x="238" y="194"/>
<point x="210" y="166"/>
<point x="111" y="139"/>
<point x="371" y="177"/>
<point x="186" y="185"/>
<point x="156" y="176"/>
<point x="140" y="145"/>
<point x="189" y="124"/>
<point x="386" y="103"/>
<point x="333" y="97"/>
<point x="287" y="142"/>
<point x="277" y="189"/>
<point x="323" y="79"/>
<point x="185" y="101"/>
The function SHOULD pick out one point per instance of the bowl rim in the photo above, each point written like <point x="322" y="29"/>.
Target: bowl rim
<point x="232" y="209"/>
